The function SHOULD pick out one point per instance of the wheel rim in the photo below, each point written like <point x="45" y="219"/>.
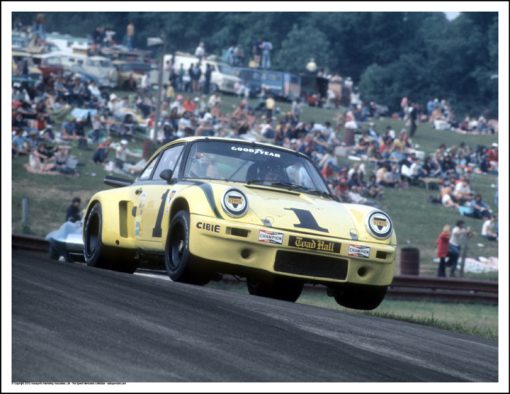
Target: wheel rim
<point x="92" y="235"/>
<point x="177" y="246"/>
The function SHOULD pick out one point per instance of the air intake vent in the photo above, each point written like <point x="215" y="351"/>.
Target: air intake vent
<point x="310" y="265"/>
<point x="381" y="255"/>
<point x="239" y="232"/>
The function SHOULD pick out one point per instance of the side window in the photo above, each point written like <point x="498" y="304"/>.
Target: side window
<point x="148" y="170"/>
<point x="168" y="161"/>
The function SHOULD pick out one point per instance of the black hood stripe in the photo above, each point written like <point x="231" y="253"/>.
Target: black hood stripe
<point x="209" y="194"/>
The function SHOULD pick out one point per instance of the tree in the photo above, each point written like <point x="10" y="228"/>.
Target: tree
<point x="299" y="46"/>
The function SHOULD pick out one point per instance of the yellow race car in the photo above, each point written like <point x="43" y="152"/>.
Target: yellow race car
<point x="208" y="206"/>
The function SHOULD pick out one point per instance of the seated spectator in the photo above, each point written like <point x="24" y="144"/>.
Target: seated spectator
<point x="387" y="176"/>
<point x="20" y="144"/>
<point x="480" y="208"/>
<point x="102" y="150"/>
<point x="488" y="229"/>
<point x="363" y="144"/>
<point x="462" y="191"/>
<point x="446" y="198"/>
<point x="40" y="162"/>
<point x="372" y="189"/>
<point x="121" y="154"/>
<point x="64" y="163"/>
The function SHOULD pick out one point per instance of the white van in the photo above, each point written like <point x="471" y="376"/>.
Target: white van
<point x="99" y="67"/>
<point x="223" y="77"/>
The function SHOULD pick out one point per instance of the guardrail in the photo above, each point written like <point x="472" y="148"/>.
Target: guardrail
<point x="403" y="286"/>
<point x="29" y="242"/>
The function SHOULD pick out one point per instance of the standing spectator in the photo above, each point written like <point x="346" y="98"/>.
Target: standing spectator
<point x="457" y="240"/>
<point x="207" y="78"/>
<point x="266" y="47"/>
<point x="196" y="73"/>
<point x="73" y="213"/>
<point x="270" y="103"/>
<point x="238" y="56"/>
<point x="130" y="32"/>
<point x="413" y="117"/>
<point x="180" y="78"/>
<point x="442" y="250"/>
<point x="257" y="52"/>
<point x="200" y="51"/>
<point x="489" y="229"/>
<point x="98" y="37"/>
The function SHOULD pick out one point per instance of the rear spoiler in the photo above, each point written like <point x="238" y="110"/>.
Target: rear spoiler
<point x="117" y="181"/>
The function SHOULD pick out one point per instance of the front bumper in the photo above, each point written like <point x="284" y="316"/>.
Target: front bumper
<point x="236" y="243"/>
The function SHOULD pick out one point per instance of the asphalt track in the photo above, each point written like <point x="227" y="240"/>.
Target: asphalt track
<point x="75" y="323"/>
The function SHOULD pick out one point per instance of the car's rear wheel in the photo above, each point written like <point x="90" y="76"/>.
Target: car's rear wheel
<point x="99" y="255"/>
<point x="359" y="296"/>
<point x="179" y="262"/>
<point x="277" y="287"/>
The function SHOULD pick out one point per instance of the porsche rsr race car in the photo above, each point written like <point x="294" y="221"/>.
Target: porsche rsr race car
<point x="207" y="206"/>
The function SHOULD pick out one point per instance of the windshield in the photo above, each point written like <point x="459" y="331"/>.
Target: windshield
<point x="253" y="164"/>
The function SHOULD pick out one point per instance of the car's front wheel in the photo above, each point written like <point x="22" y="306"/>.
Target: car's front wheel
<point x="277" y="287"/>
<point x="359" y="296"/>
<point x="99" y="255"/>
<point x="178" y="259"/>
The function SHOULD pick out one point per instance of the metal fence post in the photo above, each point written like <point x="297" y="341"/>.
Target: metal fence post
<point x="25" y="215"/>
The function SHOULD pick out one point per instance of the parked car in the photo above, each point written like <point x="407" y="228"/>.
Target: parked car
<point x="130" y="73"/>
<point x="206" y="206"/>
<point x="223" y="77"/>
<point x="49" y="63"/>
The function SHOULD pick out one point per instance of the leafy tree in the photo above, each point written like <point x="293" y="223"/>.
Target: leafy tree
<point x="299" y="46"/>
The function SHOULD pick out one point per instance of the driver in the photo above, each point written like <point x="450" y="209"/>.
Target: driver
<point x="203" y="166"/>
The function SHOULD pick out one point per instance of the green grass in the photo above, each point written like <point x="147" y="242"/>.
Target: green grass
<point x="417" y="222"/>
<point x="474" y="319"/>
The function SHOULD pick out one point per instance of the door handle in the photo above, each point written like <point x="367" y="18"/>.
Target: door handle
<point x="138" y="191"/>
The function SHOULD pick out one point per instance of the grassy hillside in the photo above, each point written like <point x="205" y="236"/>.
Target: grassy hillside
<point x="417" y="221"/>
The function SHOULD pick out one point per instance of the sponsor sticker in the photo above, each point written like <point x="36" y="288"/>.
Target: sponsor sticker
<point x="379" y="224"/>
<point x="255" y="151"/>
<point x="314" y="244"/>
<point x="270" y="237"/>
<point x="234" y="202"/>
<point x="359" y="251"/>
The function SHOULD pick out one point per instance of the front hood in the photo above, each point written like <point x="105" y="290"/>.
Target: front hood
<point x="299" y="212"/>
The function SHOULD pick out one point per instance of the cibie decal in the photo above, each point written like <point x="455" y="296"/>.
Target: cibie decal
<point x="234" y="202"/>
<point x="379" y="224"/>
<point x="358" y="251"/>
<point x="270" y="237"/>
<point x="255" y="151"/>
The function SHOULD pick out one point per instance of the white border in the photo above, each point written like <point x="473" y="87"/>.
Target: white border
<point x="501" y="7"/>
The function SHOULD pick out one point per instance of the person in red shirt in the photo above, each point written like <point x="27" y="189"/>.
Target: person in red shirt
<point x="442" y="250"/>
<point x="492" y="156"/>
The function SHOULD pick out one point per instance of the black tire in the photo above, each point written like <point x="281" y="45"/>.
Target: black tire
<point x="277" y="287"/>
<point x="360" y="296"/>
<point x="100" y="256"/>
<point x="179" y="263"/>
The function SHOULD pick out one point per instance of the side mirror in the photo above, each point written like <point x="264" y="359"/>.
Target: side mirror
<point x="166" y="175"/>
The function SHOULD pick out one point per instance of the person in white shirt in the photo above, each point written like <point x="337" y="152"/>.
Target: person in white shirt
<point x="458" y="239"/>
<point x="200" y="51"/>
<point x="488" y="229"/>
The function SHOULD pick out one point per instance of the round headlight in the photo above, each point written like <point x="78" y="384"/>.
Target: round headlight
<point x="379" y="224"/>
<point x="234" y="202"/>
